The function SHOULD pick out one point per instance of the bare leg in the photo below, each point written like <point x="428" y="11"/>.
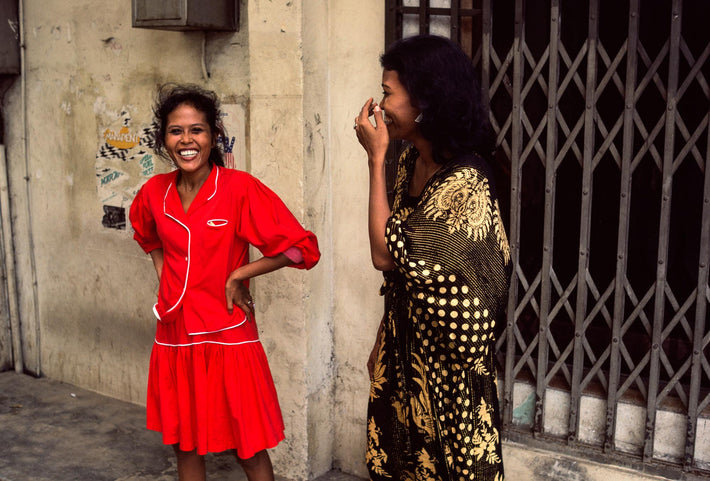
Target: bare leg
<point x="258" y="467"/>
<point x="191" y="466"/>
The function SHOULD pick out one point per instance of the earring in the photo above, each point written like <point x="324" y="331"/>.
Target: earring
<point x="419" y="118"/>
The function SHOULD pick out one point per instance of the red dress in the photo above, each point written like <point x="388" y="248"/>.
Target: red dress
<point x="209" y="385"/>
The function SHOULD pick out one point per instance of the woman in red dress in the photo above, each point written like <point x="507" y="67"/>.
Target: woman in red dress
<point x="209" y="386"/>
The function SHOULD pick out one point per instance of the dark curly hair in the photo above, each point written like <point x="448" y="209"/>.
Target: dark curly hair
<point x="442" y="83"/>
<point x="172" y="95"/>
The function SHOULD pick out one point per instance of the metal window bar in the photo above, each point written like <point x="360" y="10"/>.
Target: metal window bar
<point x="622" y="244"/>
<point x="664" y="230"/>
<point x="585" y="215"/>
<point x="578" y="330"/>
<point x="458" y="12"/>
<point x="694" y="406"/>
<point x="548" y="246"/>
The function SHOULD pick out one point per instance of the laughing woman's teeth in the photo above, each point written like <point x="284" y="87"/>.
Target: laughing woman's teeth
<point x="188" y="153"/>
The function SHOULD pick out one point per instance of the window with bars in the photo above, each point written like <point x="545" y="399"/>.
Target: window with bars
<point x="601" y="110"/>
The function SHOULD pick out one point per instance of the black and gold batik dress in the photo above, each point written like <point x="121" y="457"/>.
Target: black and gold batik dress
<point x="433" y="410"/>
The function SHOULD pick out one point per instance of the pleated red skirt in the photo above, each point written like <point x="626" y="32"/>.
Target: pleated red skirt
<point x="212" y="394"/>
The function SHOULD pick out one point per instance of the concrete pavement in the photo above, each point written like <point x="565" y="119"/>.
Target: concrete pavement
<point x="50" y="431"/>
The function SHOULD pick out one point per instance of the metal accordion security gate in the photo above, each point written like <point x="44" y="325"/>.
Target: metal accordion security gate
<point x="601" y="110"/>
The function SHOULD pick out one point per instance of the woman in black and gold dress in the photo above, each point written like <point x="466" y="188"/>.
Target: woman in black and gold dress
<point x="433" y="411"/>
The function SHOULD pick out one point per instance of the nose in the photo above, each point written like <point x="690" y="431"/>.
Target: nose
<point x="186" y="138"/>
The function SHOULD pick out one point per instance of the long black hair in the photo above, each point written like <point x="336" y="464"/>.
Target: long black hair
<point x="169" y="97"/>
<point x="442" y="83"/>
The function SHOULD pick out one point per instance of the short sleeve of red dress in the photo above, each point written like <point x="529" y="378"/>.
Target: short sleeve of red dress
<point x="143" y="223"/>
<point x="267" y="224"/>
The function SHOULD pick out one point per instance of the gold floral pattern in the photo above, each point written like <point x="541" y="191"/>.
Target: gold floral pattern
<point x="421" y="411"/>
<point x="500" y="233"/>
<point x="378" y="376"/>
<point x="433" y="410"/>
<point x="375" y="456"/>
<point x="485" y="436"/>
<point x="479" y="367"/>
<point x="463" y="201"/>
<point x="426" y="469"/>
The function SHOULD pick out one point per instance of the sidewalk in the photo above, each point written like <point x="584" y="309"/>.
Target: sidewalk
<point x="50" y="431"/>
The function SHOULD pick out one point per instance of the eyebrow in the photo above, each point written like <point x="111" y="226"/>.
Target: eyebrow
<point x="199" y="124"/>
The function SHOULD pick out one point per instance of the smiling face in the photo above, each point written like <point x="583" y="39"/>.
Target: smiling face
<point x="399" y="111"/>
<point x="189" y="139"/>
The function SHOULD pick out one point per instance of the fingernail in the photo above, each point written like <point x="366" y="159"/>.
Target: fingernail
<point x="377" y="108"/>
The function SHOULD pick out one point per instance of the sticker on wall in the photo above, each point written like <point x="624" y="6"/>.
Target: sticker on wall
<point x="114" y="217"/>
<point x="124" y="162"/>
<point x="234" y="145"/>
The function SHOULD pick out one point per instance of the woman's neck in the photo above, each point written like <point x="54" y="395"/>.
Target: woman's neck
<point x="424" y="168"/>
<point x="190" y="181"/>
<point x="426" y="157"/>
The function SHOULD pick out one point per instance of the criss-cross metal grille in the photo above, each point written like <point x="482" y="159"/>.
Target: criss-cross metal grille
<point x="601" y="112"/>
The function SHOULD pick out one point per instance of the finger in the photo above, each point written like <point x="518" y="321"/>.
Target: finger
<point x="371" y="110"/>
<point x="364" y="112"/>
<point x="249" y="308"/>
<point x="378" y="116"/>
<point x="230" y="304"/>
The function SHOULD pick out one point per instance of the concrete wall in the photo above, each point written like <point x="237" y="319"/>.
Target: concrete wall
<point x="84" y="288"/>
<point x="298" y="72"/>
<point x="357" y="40"/>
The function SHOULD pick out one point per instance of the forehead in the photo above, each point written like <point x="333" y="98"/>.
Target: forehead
<point x="390" y="78"/>
<point x="186" y="113"/>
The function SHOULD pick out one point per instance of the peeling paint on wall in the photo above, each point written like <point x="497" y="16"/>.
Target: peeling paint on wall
<point x="524" y="414"/>
<point x="123" y="164"/>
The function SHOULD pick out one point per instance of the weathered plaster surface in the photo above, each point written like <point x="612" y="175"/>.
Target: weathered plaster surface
<point x="357" y="41"/>
<point x="300" y="71"/>
<point x="85" y="65"/>
<point x="320" y="361"/>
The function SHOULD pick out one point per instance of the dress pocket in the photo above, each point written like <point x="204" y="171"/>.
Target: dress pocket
<point x="215" y="232"/>
<point x="216" y="223"/>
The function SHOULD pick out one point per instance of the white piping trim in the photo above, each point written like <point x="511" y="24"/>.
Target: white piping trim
<point x="220" y="330"/>
<point x="216" y="178"/>
<point x="189" y="257"/>
<point x="207" y="342"/>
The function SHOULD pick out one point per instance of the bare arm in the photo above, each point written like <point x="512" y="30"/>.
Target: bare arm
<point x="157" y="256"/>
<point x="375" y="141"/>
<point x="236" y="290"/>
<point x="378" y="213"/>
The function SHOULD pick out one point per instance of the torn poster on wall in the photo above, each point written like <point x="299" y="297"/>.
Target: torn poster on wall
<point x="124" y="162"/>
